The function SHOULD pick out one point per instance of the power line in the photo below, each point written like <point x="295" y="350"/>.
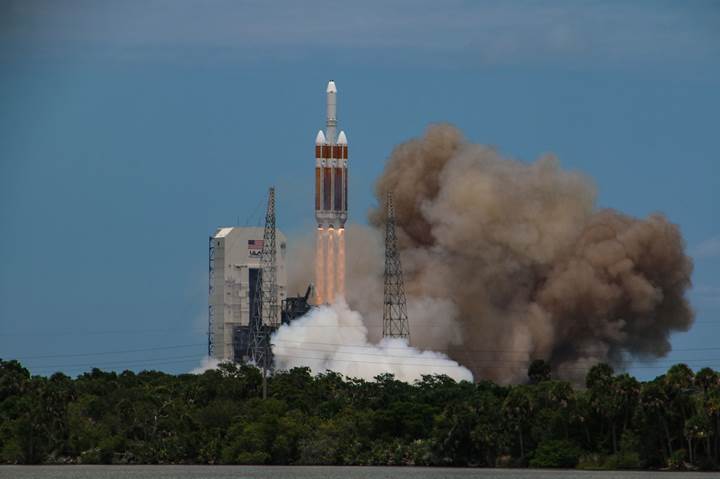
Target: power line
<point x="426" y="365"/>
<point x="114" y="363"/>
<point x="413" y="363"/>
<point x="80" y="370"/>
<point x="204" y="331"/>
<point x="98" y="333"/>
<point x="356" y="346"/>
<point x="24" y="358"/>
<point x="469" y="350"/>
<point x="324" y="358"/>
<point x="490" y="360"/>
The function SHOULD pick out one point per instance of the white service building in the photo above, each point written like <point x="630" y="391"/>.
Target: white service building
<point x="234" y="263"/>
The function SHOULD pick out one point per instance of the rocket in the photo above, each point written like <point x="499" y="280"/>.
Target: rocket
<point x="331" y="194"/>
<point x="331" y="156"/>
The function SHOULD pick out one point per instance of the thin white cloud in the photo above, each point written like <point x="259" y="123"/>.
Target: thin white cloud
<point x="708" y="249"/>
<point x="491" y="31"/>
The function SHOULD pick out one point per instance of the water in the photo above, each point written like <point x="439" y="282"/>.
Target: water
<point x="292" y="472"/>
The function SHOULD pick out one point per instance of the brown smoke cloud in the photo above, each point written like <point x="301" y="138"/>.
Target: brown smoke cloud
<point x="507" y="261"/>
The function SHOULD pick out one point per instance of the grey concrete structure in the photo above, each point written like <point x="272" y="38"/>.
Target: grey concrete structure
<point x="234" y="263"/>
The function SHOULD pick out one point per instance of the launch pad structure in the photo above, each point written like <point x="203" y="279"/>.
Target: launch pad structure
<point x="234" y="264"/>
<point x="235" y="274"/>
<point x="264" y="316"/>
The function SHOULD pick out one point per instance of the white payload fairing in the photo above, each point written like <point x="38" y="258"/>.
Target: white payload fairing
<point x="331" y="188"/>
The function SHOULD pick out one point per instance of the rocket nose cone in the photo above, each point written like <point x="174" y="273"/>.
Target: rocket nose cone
<point x="331" y="87"/>
<point x="342" y="139"/>
<point x="320" y="138"/>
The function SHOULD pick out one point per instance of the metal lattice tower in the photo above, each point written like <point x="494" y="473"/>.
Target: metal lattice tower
<point x="395" y="319"/>
<point x="264" y="317"/>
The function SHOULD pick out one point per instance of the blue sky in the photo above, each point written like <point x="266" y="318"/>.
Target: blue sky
<point x="130" y="130"/>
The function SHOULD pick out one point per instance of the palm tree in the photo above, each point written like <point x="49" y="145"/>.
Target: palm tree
<point x="517" y="408"/>
<point x="627" y="393"/>
<point x="696" y="428"/>
<point x="655" y="402"/>
<point x="604" y="398"/>
<point x="709" y="381"/>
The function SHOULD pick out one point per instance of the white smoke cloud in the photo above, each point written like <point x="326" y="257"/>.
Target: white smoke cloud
<point x="335" y="338"/>
<point x="206" y="364"/>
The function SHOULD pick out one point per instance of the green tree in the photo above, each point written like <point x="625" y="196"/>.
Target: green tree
<point x="14" y="379"/>
<point x="697" y="428"/>
<point x="538" y="371"/>
<point x="555" y="453"/>
<point x="218" y="416"/>
<point x="656" y="404"/>
<point x="709" y="382"/>
<point x="489" y="435"/>
<point x="518" y="408"/>
<point x="603" y="400"/>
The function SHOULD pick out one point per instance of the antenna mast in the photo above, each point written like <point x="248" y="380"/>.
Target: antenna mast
<point x="395" y="319"/>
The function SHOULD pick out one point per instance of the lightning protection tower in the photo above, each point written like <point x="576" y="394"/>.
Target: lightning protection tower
<point x="395" y="320"/>
<point x="264" y="314"/>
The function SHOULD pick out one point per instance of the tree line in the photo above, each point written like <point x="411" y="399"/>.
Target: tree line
<point x="219" y="417"/>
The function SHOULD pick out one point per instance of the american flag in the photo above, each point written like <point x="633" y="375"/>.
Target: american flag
<point x="255" y="244"/>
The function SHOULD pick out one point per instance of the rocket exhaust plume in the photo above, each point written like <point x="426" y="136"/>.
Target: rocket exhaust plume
<point x="330" y="258"/>
<point x="335" y="338"/>
<point x="320" y="265"/>
<point x="341" y="263"/>
<point x="526" y="264"/>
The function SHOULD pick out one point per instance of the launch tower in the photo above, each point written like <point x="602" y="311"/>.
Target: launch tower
<point x="264" y="318"/>
<point x="331" y="188"/>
